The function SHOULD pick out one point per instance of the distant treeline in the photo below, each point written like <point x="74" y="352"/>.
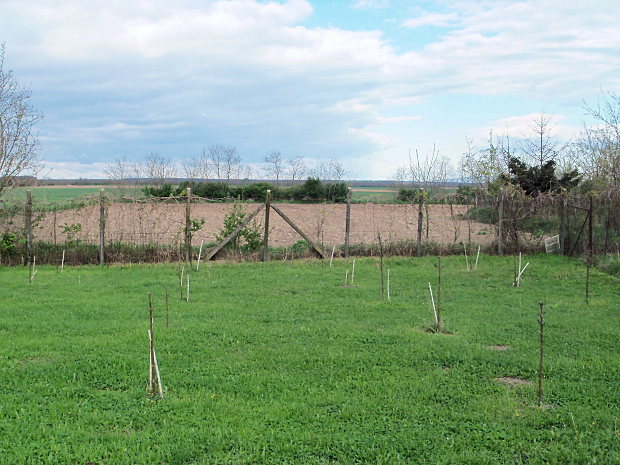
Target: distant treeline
<point x="311" y="190"/>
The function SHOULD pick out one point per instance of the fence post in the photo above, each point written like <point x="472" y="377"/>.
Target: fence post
<point x="101" y="228"/>
<point x="28" y="226"/>
<point x="420" y="220"/>
<point x="188" y="227"/>
<point x="347" y="228"/>
<point x="266" y="236"/>
<point x="562" y="223"/>
<point x="500" y="225"/>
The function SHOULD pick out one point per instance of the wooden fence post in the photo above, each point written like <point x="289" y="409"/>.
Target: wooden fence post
<point x="420" y="220"/>
<point x="500" y="225"/>
<point x="28" y="226"/>
<point x="347" y="228"/>
<point x="101" y="228"/>
<point x="266" y="236"/>
<point x="590" y="249"/>
<point x="188" y="227"/>
<point x="562" y="224"/>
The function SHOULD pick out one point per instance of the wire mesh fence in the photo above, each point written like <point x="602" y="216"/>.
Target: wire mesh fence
<point x="128" y="229"/>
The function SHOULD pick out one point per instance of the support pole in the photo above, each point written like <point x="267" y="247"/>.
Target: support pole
<point x="590" y="249"/>
<point x="316" y="248"/>
<point x="152" y="348"/>
<point x="28" y="226"/>
<point x="188" y="227"/>
<point x="541" y="322"/>
<point x="500" y="225"/>
<point x="347" y="228"/>
<point x="420" y="220"/>
<point x="266" y="236"/>
<point x="562" y="224"/>
<point x="101" y="228"/>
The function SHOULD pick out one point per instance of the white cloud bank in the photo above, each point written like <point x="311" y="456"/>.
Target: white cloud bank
<point x="126" y="77"/>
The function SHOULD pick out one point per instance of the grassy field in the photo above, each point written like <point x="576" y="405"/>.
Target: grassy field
<point x="373" y="194"/>
<point x="56" y="194"/>
<point x="279" y="363"/>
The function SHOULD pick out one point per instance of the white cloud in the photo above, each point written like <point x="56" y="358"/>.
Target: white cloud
<point x="369" y="4"/>
<point x="431" y="19"/>
<point x="524" y="126"/>
<point x="74" y="170"/>
<point x="140" y="76"/>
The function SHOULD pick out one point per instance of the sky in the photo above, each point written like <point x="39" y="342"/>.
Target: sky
<point x="363" y="82"/>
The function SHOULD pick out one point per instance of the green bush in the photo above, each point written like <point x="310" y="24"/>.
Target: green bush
<point x="336" y="192"/>
<point x="251" y="233"/>
<point x="165" y="190"/>
<point x="406" y="194"/>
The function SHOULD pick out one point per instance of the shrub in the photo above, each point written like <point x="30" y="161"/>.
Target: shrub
<point x="407" y="195"/>
<point x="165" y="190"/>
<point x="251" y="233"/>
<point x="336" y="192"/>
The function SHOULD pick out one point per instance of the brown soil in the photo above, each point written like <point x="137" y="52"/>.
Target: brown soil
<point x="146" y="222"/>
<point x="512" y="381"/>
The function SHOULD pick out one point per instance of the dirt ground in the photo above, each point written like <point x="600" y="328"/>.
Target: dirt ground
<point x="144" y="223"/>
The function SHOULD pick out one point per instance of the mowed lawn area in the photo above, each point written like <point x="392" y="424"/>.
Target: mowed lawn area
<point x="280" y="363"/>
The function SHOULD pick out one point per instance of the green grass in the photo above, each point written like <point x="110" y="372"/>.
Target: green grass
<point x="57" y="194"/>
<point x="382" y="196"/>
<point x="279" y="363"/>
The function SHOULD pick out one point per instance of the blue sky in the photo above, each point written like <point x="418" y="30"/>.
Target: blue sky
<point x="360" y="81"/>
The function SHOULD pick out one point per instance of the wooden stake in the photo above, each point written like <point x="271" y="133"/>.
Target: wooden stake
<point x="439" y="323"/>
<point x="188" y="228"/>
<point x="430" y="289"/>
<point x="466" y="258"/>
<point x="381" y="265"/>
<point x="151" y="387"/>
<point x="346" y="278"/>
<point x="101" y="227"/>
<point x="519" y="276"/>
<point x="541" y="322"/>
<point x="332" y="257"/>
<point x="420" y="221"/>
<point x="388" y="286"/>
<point x="477" y="256"/>
<point x="32" y="269"/>
<point x="519" y="270"/>
<point x="181" y="282"/>
<point x="161" y="388"/>
<point x="199" y="255"/>
<point x="353" y="273"/>
<point x="187" y="295"/>
<point x="62" y="263"/>
<point x="347" y="226"/>
<point x="152" y="346"/>
<point x="266" y="235"/>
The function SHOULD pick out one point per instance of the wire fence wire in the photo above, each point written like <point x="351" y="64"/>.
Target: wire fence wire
<point x="154" y="230"/>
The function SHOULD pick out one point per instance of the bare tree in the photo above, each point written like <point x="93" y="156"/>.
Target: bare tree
<point x="157" y="169"/>
<point x="197" y="166"/>
<point x="597" y="151"/>
<point x="542" y="146"/>
<point x="483" y="166"/>
<point x="296" y="168"/>
<point x="425" y="170"/>
<point x="225" y="162"/>
<point x="336" y="170"/>
<point x="275" y="165"/>
<point x="18" y="142"/>
<point x="232" y="164"/>
<point x="124" y="172"/>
